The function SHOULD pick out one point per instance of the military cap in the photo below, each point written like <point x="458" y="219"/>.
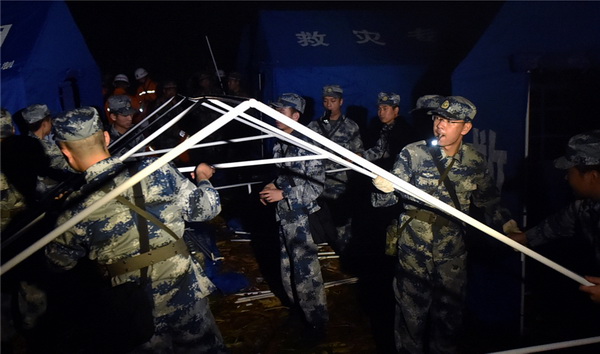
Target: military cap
<point x="6" y="124"/>
<point x="35" y="113"/>
<point x="290" y="100"/>
<point x="391" y="99"/>
<point x="428" y="102"/>
<point x="455" y="108"/>
<point x="333" y="91"/>
<point x="76" y="124"/>
<point x="582" y="150"/>
<point x="120" y="104"/>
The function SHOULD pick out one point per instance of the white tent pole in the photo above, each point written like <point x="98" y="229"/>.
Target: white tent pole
<point x="295" y="140"/>
<point x="258" y="162"/>
<point x="407" y="188"/>
<point x="213" y="143"/>
<point x="551" y="346"/>
<point x="139" y="124"/>
<point x="209" y="129"/>
<point x="145" y="141"/>
<point x="152" y="136"/>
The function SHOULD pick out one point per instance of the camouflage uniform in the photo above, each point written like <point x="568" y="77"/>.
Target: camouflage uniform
<point x="300" y="267"/>
<point x="11" y="201"/>
<point x="581" y="218"/>
<point x="58" y="162"/>
<point x="431" y="279"/>
<point x="178" y="286"/>
<point x="392" y="136"/>
<point x="346" y="135"/>
<point x="121" y="105"/>
<point x="344" y="132"/>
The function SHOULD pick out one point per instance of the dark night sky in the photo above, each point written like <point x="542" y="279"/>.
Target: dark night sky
<point x="168" y="38"/>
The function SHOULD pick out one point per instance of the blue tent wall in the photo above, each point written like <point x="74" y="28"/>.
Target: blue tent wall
<point x="494" y="76"/>
<point x="363" y="70"/>
<point x="523" y="34"/>
<point x="41" y="52"/>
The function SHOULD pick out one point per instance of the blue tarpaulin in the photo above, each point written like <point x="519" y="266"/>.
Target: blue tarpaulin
<point x="45" y="58"/>
<point x="365" y="52"/>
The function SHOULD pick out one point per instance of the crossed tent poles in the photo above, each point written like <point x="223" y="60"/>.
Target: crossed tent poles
<point x="329" y="150"/>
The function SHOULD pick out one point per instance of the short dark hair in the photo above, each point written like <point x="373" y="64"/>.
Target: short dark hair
<point x="37" y="125"/>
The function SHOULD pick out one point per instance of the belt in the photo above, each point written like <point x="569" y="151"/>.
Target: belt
<point x="146" y="259"/>
<point x="428" y="217"/>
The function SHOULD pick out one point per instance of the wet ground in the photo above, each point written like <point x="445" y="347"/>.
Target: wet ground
<point x="256" y="321"/>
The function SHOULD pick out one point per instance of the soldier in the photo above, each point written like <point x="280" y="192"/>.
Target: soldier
<point x="394" y="133"/>
<point x="342" y="130"/>
<point x="120" y="117"/>
<point x="431" y="278"/>
<point x="176" y="284"/>
<point x="11" y="201"/>
<point x="295" y="190"/>
<point x="580" y="220"/>
<point x="39" y="123"/>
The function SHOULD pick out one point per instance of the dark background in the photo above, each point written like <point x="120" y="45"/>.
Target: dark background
<point x="168" y="38"/>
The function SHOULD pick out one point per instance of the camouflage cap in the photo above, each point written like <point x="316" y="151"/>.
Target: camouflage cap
<point x="35" y="112"/>
<point x="120" y="104"/>
<point x="391" y="99"/>
<point x="582" y="150"/>
<point x="290" y="100"/>
<point x="429" y="102"/>
<point x="6" y="124"/>
<point x="333" y="91"/>
<point x="76" y="124"/>
<point x="455" y="108"/>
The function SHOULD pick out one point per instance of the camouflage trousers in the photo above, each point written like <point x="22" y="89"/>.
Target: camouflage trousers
<point x="430" y="294"/>
<point x="183" y="322"/>
<point x="301" y="270"/>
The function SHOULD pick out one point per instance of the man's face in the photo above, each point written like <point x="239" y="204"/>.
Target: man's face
<point x="288" y="112"/>
<point x="580" y="182"/>
<point x="233" y="84"/>
<point x="387" y="114"/>
<point x="449" y="132"/>
<point x="333" y="104"/>
<point x="123" y="121"/>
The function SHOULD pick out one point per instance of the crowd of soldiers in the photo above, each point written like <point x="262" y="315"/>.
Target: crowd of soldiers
<point x="429" y="280"/>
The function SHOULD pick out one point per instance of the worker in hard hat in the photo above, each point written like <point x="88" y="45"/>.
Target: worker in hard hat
<point x="121" y="87"/>
<point x="146" y="92"/>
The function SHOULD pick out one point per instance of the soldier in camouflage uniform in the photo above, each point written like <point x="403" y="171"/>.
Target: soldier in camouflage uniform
<point x="120" y="117"/>
<point x="431" y="279"/>
<point x="11" y="201"/>
<point x="394" y="133"/>
<point x="581" y="218"/>
<point x="39" y="122"/>
<point x="177" y="285"/>
<point x="295" y="190"/>
<point x="345" y="132"/>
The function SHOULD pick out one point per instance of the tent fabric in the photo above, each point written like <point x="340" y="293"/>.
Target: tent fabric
<point x="365" y="52"/>
<point x="45" y="58"/>
<point x="524" y="35"/>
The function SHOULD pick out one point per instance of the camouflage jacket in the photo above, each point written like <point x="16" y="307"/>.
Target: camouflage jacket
<point x="344" y="132"/>
<point x="301" y="181"/>
<point x="110" y="234"/>
<point x="11" y="201"/>
<point x="579" y="219"/>
<point x="469" y="175"/>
